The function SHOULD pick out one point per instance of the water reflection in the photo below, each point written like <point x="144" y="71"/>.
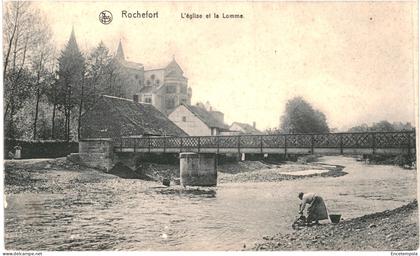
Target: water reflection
<point x="188" y="192"/>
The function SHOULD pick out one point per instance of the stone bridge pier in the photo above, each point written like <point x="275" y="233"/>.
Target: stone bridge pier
<point x="95" y="153"/>
<point x="198" y="169"/>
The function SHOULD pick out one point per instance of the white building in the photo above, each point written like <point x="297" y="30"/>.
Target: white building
<point x="197" y="121"/>
<point x="243" y="128"/>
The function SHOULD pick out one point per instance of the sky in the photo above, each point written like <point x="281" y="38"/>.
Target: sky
<point x="354" y="61"/>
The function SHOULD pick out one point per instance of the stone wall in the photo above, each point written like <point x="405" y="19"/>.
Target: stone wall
<point x="39" y="148"/>
<point x="95" y="153"/>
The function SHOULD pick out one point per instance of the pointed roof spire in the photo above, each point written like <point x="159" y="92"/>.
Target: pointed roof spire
<point x="173" y="64"/>
<point x="173" y="67"/>
<point x="120" y="52"/>
<point x="72" y="43"/>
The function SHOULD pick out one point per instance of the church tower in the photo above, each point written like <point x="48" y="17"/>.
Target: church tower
<point x="120" y="52"/>
<point x="130" y="74"/>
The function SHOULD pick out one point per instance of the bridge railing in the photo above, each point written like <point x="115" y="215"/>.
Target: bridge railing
<point x="404" y="139"/>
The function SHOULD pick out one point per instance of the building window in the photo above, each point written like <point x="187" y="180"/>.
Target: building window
<point x="184" y="119"/>
<point x="170" y="103"/>
<point x="184" y="100"/>
<point x="170" y="89"/>
<point x="152" y="76"/>
<point x="148" y="82"/>
<point x="136" y="76"/>
<point x="148" y="100"/>
<point x="157" y="81"/>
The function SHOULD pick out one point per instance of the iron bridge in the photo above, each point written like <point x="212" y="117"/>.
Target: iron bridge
<point x="403" y="142"/>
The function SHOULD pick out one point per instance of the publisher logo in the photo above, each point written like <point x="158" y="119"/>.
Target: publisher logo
<point x="105" y="17"/>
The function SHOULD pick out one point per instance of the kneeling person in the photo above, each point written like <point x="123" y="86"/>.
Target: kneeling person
<point x="316" y="210"/>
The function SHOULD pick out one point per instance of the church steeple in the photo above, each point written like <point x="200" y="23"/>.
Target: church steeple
<point x="71" y="61"/>
<point x="173" y="67"/>
<point x="72" y="43"/>
<point x="120" y="52"/>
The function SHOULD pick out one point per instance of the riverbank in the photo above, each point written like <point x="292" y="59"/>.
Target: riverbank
<point x="388" y="230"/>
<point x="49" y="174"/>
<point x="251" y="171"/>
<point x="256" y="171"/>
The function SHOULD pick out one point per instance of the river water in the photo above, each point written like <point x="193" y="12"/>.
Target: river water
<point x="118" y="214"/>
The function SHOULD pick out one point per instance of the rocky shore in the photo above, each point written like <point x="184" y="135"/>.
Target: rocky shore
<point x="247" y="171"/>
<point x="49" y="175"/>
<point x="256" y="171"/>
<point x="35" y="174"/>
<point x="389" y="230"/>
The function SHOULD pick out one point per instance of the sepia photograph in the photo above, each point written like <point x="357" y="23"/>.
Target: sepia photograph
<point x="210" y="126"/>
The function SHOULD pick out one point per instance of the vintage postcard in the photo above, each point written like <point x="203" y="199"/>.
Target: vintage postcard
<point x="210" y="126"/>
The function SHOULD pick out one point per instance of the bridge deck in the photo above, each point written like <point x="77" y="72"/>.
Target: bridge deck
<point x="329" y="143"/>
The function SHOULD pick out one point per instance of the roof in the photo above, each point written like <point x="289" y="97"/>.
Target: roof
<point x="113" y="117"/>
<point x="206" y="117"/>
<point x="173" y="69"/>
<point x="154" y="70"/>
<point x="130" y="64"/>
<point x="147" y="89"/>
<point x="247" y="129"/>
<point x="120" y="57"/>
<point x="120" y="52"/>
<point x="173" y="65"/>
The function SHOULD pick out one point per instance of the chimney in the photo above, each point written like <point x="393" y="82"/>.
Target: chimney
<point x="136" y="98"/>
<point x="253" y="124"/>
<point x="218" y="115"/>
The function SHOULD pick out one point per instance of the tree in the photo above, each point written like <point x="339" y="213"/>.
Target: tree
<point x="17" y="38"/>
<point x="399" y="126"/>
<point x="20" y="36"/>
<point x="360" y="128"/>
<point x="100" y="74"/>
<point x="272" y="131"/>
<point x="301" y="117"/>
<point x="71" y="69"/>
<point x="43" y="66"/>
<point x="382" y="126"/>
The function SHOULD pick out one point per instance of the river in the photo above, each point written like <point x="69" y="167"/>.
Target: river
<point x="119" y="214"/>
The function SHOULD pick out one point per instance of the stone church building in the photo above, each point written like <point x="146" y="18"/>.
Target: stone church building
<point x="165" y="88"/>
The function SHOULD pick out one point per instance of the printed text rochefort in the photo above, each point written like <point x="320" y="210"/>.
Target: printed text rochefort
<point x="139" y="15"/>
